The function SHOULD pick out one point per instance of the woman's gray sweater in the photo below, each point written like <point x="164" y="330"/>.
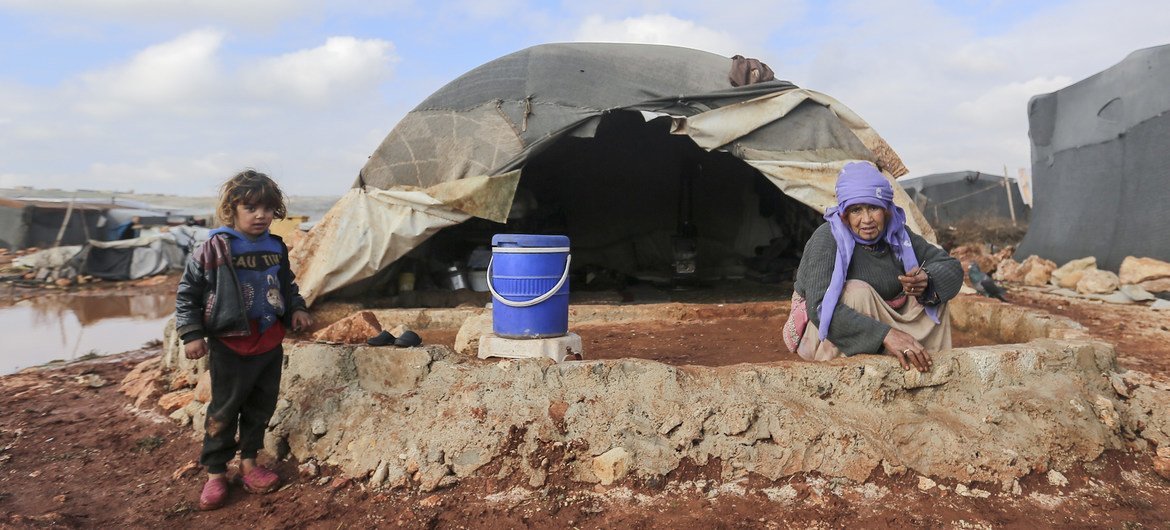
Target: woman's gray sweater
<point x="851" y="331"/>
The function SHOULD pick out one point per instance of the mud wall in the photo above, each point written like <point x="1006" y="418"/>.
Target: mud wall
<point x="427" y="417"/>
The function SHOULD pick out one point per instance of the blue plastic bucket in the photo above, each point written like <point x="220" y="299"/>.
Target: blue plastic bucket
<point x="529" y="279"/>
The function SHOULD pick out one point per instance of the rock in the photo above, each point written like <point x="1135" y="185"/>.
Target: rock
<point x="340" y="482"/>
<point x="181" y="416"/>
<point x="182" y="380"/>
<point x="1069" y="273"/>
<point x="309" y="469"/>
<point x="1137" y="270"/>
<point x="1161" y="285"/>
<point x="1162" y="462"/>
<point x="90" y="380"/>
<point x="60" y="499"/>
<point x="1057" y="478"/>
<point x="1007" y="270"/>
<point x="175" y="400"/>
<point x="467" y="339"/>
<point x="1037" y="271"/>
<point x="379" y="476"/>
<point x="1136" y="293"/>
<point x="434" y="501"/>
<point x="1160" y="304"/>
<point x="143" y="383"/>
<point x="354" y="329"/>
<point x="1097" y="281"/>
<point x="611" y="466"/>
<point x="63" y="282"/>
<point x="318" y="427"/>
<point x="977" y="493"/>
<point x="133" y="380"/>
<point x="203" y="388"/>
<point x="925" y="484"/>
<point x="1107" y="412"/>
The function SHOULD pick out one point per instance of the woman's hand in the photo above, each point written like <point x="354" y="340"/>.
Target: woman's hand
<point x="914" y="282"/>
<point x="907" y="350"/>
<point x="301" y="321"/>
<point x="195" y="349"/>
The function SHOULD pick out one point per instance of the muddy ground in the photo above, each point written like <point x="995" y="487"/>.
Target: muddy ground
<point x="74" y="453"/>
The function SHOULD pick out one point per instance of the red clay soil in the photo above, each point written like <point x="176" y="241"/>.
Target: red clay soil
<point x="76" y="456"/>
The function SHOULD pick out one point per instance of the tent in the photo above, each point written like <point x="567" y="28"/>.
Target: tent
<point x="130" y="259"/>
<point x="1100" y="164"/>
<point x="28" y="223"/>
<point x="947" y="198"/>
<point x="615" y="145"/>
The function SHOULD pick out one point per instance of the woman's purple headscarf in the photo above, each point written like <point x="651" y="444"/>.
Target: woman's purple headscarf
<point x="862" y="183"/>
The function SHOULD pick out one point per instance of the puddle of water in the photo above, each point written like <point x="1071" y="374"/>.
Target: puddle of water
<point x="67" y="327"/>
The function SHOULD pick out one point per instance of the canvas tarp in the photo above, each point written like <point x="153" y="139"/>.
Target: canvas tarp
<point x="1100" y="164"/>
<point x="130" y="259"/>
<point x="486" y="126"/>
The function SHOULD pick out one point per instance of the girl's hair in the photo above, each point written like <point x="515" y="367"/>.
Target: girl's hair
<point x="249" y="187"/>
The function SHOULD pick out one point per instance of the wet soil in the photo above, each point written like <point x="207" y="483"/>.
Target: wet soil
<point x="76" y="456"/>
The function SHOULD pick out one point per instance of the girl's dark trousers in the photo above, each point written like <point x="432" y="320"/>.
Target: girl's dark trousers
<point x="243" y="396"/>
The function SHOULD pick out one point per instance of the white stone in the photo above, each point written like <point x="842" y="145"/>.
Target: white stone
<point x="379" y="475"/>
<point x="612" y="465"/>
<point x="925" y="484"/>
<point x="556" y="348"/>
<point x="1057" y="478"/>
<point x="319" y="427"/>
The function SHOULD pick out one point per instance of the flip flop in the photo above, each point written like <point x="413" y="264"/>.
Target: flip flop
<point x="408" y="339"/>
<point x="382" y="339"/>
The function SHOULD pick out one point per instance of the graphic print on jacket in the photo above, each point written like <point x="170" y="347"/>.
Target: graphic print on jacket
<point x="257" y="266"/>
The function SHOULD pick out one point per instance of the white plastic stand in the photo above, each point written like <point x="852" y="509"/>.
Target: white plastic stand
<point x="559" y="349"/>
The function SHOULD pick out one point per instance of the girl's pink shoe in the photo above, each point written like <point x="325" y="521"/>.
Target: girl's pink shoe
<point x="261" y="480"/>
<point x="214" y="494"/>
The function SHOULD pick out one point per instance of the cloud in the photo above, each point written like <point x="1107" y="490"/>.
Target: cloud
<point x="1004" y="107"/>
<point x="179" y="74"/>
<point x="252" y="11"/>
<point x="181" y="115"/>
<point x="342" y="65"/>
<point x="657" y="29"/>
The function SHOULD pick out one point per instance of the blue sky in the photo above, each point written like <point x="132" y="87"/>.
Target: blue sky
<point x="173" y="96"/>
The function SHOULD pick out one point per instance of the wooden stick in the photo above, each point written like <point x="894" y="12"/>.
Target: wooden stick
<point x="1007" y="187"/>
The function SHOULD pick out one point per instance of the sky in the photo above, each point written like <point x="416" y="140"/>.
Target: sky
<point x="174" y="96"/>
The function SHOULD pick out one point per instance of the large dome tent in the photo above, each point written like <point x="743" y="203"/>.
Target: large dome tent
<point x="599" y="141"/>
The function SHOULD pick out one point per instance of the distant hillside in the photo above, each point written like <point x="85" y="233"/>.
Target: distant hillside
<point x="312" y="206"/>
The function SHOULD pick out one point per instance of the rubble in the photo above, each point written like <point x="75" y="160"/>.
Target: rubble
<point x="354" y="329"/>
<point x="1135" y="270"/>
<point x="1097" y="281"/>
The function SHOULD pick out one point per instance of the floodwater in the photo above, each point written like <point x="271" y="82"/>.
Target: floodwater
<point x="50" y="328"/>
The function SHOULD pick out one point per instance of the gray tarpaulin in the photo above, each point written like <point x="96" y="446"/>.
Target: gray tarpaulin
<point x="1101" y="164"/>
<point x="947" y="198"/>
<point x="491" y="123"/>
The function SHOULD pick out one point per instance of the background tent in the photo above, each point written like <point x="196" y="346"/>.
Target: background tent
<point x="600" y="142"/>
<point x="947" y="198"/>
<point x="28" y="223"/>
<point x="130" y="259"/>
<point x="1101" y="166"/>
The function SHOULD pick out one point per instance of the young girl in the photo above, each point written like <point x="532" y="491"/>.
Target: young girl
<point x="235" y="300"/>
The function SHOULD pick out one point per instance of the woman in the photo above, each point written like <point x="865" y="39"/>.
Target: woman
<point x="868" y="284"/>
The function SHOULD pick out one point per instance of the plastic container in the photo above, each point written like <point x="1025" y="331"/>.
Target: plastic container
<point x="477" y="280"/>
<point x="529" y="281"/>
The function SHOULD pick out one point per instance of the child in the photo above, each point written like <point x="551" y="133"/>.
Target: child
<point x="238" y="292"/>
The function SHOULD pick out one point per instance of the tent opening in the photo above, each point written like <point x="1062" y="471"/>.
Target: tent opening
<point x="627" y="197"/>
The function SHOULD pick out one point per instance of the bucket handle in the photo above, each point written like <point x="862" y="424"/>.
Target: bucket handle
<point x="534" y="301"/>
